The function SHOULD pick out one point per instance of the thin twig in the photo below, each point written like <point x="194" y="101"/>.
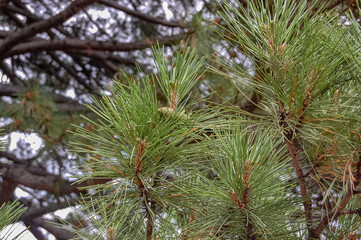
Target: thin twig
<point x="306" y="202"/>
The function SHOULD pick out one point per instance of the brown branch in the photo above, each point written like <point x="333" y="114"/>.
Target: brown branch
<point x="37" y="27"/>
<point x="111" y="66"/>
<point x="8" y="72"/>
<point x="72" y="72"/>
<point x="140" y="15"/>
<point x="19" y="174"/>
<point x="7" y="188"/>
<point x="34" y="230"/>
<point x="138" y="160"/>
<point x="306" y="202"/>
<point x="104" y="56"/>
<point x="12" y="157"/>
<point x="355" y="211"/>
<point x="150" y="221"/>
<point x="59" y="232"/>
<point x="20" y="11"/>
<point x="107" y="58"/>
<point x="68" y="44"/>
<point x="3" y="3"/>
<point x="248" y="171"/>
<point x="32" y="213"/>
<point x="34" y="18"/>
<point x="4" y="34"/>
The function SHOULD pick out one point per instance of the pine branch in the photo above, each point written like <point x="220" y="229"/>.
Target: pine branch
<point x="63" y="103"/>
<point x="302" y="183"/>
<point x="289" y="141"/>
<point x="341" y="206"/>
<point x="350" y="212"/>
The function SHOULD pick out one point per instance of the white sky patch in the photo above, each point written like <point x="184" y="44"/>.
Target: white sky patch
<point x="4" y="79"/>
<point x="3" y="122"/>
<point x="34" y="141"/>
<point x="99" y="13"/>
<point x="108" y="93"/>
<point x="12" y="230"/>
<point x="21" y="74"/>
<point x="199" y="6"/>
<point x="70" y="93"/>
<point x="63" y="212"/>
<point x="168" y="13"/>
<point x="93" y="29"/>
<point x="121" y="15"/>
<point x="22" y="18"/>
<point x="21" y="193"/>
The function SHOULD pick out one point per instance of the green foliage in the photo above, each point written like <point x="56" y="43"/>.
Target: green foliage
<point x="139" y="145"/>
<point x="173" y="172"/>
<point x="177" y="79"/>
<point x="248" y="194"/>
<point x="159" y="168"/>
<point x="307" y="72"/>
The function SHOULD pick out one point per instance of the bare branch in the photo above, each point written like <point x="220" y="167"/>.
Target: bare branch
<point x="59" y="232"/>
<point x="3" y="3"/>
<point x="12" y="157"/>
<point x="72" y="72"/>
<point x="68" y="44"/>
<point x="37" y="27"/>
<point x="36" y="212"/>
<point x="34" y="230"/>
<point x="19" y="174"/>
<point x="7" y="188"/>
<point x="140" y="15"/>
<point x="8" y="72"/>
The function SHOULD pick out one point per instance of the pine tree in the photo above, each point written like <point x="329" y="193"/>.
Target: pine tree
<point x="291" y="170"/>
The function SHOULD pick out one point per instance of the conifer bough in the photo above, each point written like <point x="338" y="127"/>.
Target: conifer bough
<point x="289" y="171"/>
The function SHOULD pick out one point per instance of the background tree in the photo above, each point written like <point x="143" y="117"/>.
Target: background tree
<point x="9" y="212"/>
<point x="45" y="55"/>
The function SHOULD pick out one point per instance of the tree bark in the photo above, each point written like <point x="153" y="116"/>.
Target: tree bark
<point x="37" y="27"/>
<point x="68" y="44"/>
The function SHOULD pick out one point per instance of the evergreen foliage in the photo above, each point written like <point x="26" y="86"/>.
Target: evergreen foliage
<point x="291" y="170"/>
<point x="159" y="162"/>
